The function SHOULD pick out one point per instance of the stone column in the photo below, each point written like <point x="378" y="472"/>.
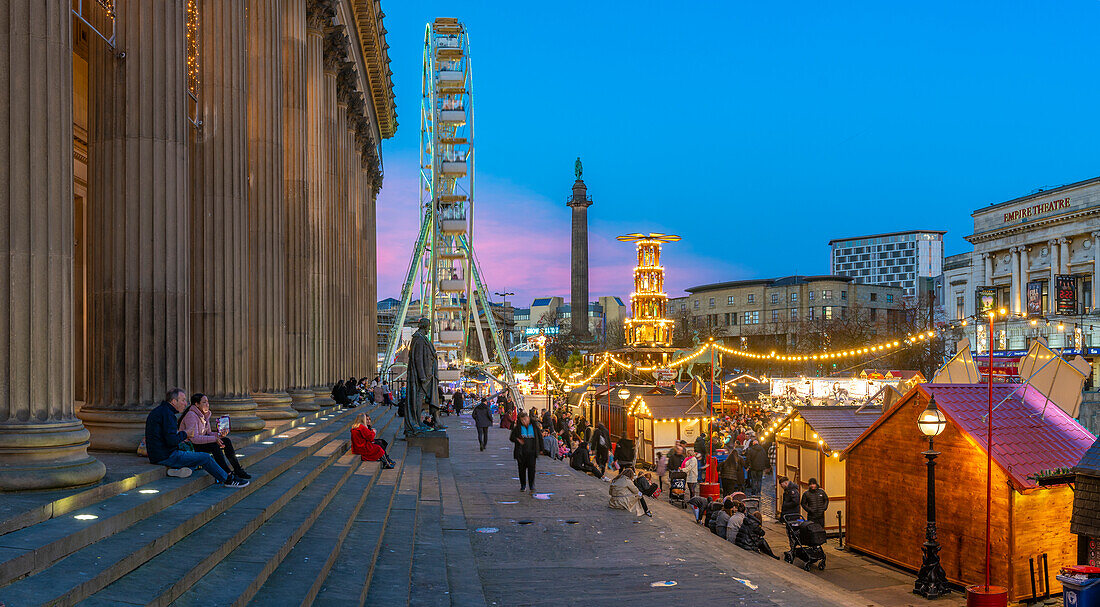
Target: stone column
<point x="340" y="281"/>
<point x="42" y="444"/>
<point x="1052" y="246"/>
<point x="1095" y="270"/>
<point x="332" y="240"/>
<point x="319" y="15"/>
<point x="578" y="299"/>
<point x="987" y="258"/>
<point x="1063" y="255"/>
<point x="266" y="275"/>
<point x="296" y="228"/>
<point x="1025" y="276"/>
<point x="370" y="250"/>
<point x="138" y="221"/>
<point x="219" y="218"/>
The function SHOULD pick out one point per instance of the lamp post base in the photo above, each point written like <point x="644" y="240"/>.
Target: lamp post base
<point x="986" y="596"/>
<point x="932" y="579"/>
<point x="711" y="490"/>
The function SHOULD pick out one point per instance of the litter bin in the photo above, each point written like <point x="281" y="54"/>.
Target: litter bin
<point x="1080" y="592"/>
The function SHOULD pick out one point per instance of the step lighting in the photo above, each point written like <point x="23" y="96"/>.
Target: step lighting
<point x="85" y="517"/>
<point x="282" y="436"/>
<point x="312" y="424"/>
<point x="148" y="491"/>
<point x="268" y="442"/>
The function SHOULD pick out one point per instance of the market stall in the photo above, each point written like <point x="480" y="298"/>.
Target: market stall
<point x="659" y="420"/>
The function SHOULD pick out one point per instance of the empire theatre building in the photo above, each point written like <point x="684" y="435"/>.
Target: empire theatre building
<point x="1036" y="256"/>
<point x="187" y="192"/>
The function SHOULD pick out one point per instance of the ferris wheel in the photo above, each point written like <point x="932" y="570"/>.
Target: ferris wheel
<point x="443" y="275"/>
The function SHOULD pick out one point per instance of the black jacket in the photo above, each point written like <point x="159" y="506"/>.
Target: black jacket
<point x="162" y="433"/>
<point x="732" y="467"/>
<point x="757" y="458"/>
<point x="483" y="418"/>
<point x="750" y="534"/>
<point x="675" y="460"/>
<point x="790" y="499"/>
<point x="700" y="445"/>
<point x="597" y="432"/>
<point x="624" y="451"/>
<point x="579" y="458"/>
<point x="815" y="501"/>
<point x="340" y="394"/>
<point x="529" y="447"/>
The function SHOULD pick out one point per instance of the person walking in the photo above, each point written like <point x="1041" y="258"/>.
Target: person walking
<point x="690" y="466"/>
<point x="624" y="495"/>
<point x="483" y="419"/>
<point x="459" y="399"/>
<point x="662" y="470"/>
<point x="757" y="463"/>
<point x="527" y="436"/>
<point x="815" y="502"/>
<point x="601" y="446"/>
<point x="790" y="503"/>
<point x="730" y="472"/>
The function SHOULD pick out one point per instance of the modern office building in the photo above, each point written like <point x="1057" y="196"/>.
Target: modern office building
<point x="896" y="259"/>
<point x="773" y="311"/>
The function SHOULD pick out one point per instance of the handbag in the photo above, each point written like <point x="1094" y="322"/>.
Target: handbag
<point x="186" y="446"/>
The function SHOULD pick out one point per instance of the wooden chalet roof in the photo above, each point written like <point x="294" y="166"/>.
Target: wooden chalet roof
<point x="1085" y="519"/>
<point x="839" y="426"/>
<point x="669" y="406"/>
<point x="1029" y="434"/>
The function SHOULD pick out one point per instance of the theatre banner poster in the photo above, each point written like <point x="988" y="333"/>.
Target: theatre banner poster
<point x="1035" y="298"/>
<point x="1066" y="286"/>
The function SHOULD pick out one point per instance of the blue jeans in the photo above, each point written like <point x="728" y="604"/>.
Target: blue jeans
<point x="192" y="459"/>
<point x="755" y="478"/>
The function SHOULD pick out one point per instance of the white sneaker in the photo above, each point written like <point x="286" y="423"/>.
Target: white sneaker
<point x="179" y="472"/>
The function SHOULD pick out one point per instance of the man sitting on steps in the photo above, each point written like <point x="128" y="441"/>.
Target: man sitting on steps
<point x="164" y="440"/>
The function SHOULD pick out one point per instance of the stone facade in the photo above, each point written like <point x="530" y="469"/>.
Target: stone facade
<point x="216" y="163"/>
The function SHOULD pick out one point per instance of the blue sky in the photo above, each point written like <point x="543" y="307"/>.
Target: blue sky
<point x="757" y="131"/>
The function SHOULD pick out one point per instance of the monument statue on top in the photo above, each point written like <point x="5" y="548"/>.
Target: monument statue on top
<point x="578" y="170"/>
<point x="423" y="382"/>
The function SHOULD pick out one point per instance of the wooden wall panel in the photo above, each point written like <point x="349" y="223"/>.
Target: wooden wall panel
<point x="1041" y="524"/>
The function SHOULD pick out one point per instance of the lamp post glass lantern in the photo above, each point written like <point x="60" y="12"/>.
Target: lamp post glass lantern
<point x="931" y="579"/>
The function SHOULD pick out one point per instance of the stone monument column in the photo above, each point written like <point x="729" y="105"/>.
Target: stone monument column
<point x="296" y="227"/>
<point x="318" y="15"/>
<point x="42" y="444"/>
<point x="266" y="251"/>
<point x="138" y="221"/>
<point x="219" y="218"/>
<point x="578" y="300"/>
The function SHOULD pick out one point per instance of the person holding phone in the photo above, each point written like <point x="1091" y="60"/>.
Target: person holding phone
<point x="366" y="445"/>
<point x="196" y="423"/>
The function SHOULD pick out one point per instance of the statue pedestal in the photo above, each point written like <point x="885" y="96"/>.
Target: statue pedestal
<point x="432" y="442"/>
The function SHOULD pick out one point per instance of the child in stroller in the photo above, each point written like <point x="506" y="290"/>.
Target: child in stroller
<point x="806" y="538"/>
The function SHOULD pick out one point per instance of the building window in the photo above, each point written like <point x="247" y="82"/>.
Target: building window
<point x="729" y="300"/>
<point x="810" y="313"/>
<point x="794" y="313"/>
<point x="751" y="298"/>
<point x="843" y="296"/>
<point x="874" y="296"/>
<point x="827" y="294"/>
<point x="712" y="302"/>
<point x="751" y="318"/>
<point x="889" y="298"/>
<point x="827" y="312"/>
<point x="960" y="309"/>
<point x="683" y="306"/>
<point x="810" y="295"/>
<point x="775" y="298"/>
<point x="775" y="315"/>
<point x="695" y="304"/>
<point x="794" y="297"/>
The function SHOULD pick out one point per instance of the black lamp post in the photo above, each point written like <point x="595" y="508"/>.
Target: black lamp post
<point x="931" y="580"/>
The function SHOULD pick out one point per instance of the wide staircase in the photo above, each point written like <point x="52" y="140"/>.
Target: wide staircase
<point x="315" y="526"/>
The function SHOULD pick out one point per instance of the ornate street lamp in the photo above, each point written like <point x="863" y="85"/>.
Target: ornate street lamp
<point x="624" y="394"/>
<point x="931" y="580"/>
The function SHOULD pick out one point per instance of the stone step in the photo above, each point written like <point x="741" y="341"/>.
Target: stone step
<point x="300" y="576"/>
<point x="462" y="576"/>
<point x="382" y="538"/>
<point x="429" y="586"/>
<point x="29" y="509"/>
<point x="138" y="536"/>
<point x="278" y="507"/>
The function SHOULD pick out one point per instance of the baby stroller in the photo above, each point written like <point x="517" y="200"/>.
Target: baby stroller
<point x="677" y="492"/>
<point x="806" y="539"/>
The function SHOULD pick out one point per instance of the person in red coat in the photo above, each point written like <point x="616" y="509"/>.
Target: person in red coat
<point x="364" y="444"/>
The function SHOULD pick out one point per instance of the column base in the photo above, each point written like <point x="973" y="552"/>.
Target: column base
<point x="241" y="411"/>
<point x="46" y="456"/>
<point x="115" y="429"/>
<point x="322" y="395"/>
<point x="274" y="405"/>
<point x="303" y="400"/>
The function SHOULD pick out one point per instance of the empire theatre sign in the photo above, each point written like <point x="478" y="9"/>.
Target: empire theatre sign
<point x="1036" y="210"/>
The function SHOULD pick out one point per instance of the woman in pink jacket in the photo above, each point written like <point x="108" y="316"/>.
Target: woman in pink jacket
<point x="196" y="423"/>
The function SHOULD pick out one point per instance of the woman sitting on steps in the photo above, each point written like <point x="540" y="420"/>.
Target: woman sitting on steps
<point x="365" y="445"/>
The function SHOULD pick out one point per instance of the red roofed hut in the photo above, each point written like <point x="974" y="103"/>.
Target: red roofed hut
<point x="887" y="478"/>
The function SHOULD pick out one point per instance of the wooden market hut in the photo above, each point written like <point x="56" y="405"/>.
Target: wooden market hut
<point x="887" y="474"/>
<point x="809" y="444"/>
<point x="1085" y="521"/>
<point x="659" y="420"/>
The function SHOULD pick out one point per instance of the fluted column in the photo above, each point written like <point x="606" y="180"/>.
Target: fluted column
<point x="319" y="15"/>
<point x="296" y="227"/>
<point x="266" y="312"/>
<point x="42" y="444"/>
<point x="138" y="222"/>
<point x="1063" y="255"/>
<point x="1055" y="265"/>
<point x="371" y="279"/>
<point x="1015" y="265"/>
<point x="219" y="218"/>
<point x="988" y="259"/>
<point x="1095" y="270"/>
<point x="340" y="328"/>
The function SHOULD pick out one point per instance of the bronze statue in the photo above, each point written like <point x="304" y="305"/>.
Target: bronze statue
<point x="578" y="170"/>
<point x="423" y="381"/>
